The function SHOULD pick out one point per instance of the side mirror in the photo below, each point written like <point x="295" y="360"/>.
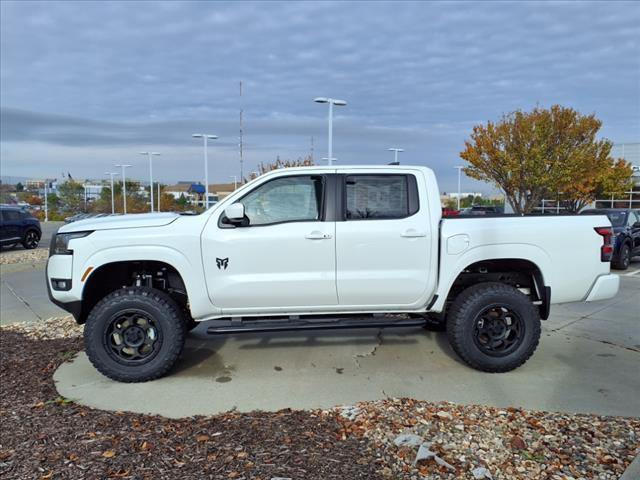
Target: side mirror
<point x="636" y="225"/>
<point x="234" y="212"/>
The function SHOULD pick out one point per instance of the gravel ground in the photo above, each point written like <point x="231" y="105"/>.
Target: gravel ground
<point x="36" y="255"/>
<point x="46" y="436"/>
<point x="484" y="442"/>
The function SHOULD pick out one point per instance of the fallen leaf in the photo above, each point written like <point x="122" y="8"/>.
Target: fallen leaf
<point x="517" y="443"/>
<point x="202" y="438"/>
<point x="109" y="454"/>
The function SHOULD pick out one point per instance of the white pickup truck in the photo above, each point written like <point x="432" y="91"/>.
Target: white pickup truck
<point x="323" y="247"/>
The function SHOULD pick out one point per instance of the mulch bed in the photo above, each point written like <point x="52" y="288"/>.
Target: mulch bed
<point x="45" y="436"/>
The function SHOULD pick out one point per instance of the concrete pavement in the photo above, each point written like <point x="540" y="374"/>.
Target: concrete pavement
<point x="23" y="294"/>
<point x="587" y="362"/>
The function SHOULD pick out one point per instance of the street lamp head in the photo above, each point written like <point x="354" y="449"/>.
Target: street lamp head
<point x="197" y="135"/>
<point x="155" y="153"/>
<point x="395" y="149"/>
<point x="321" y="100"/>
<point x="340" y="103"/>
<point x="212" y="137"/>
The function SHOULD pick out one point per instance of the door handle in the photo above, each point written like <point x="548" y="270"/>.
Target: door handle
<point x="316" y="235"/>
<point x="411" y="233"/>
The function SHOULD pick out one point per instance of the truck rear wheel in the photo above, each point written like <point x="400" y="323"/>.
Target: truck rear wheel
<point x="134" y="334"/>
<point x="493" y="327"/>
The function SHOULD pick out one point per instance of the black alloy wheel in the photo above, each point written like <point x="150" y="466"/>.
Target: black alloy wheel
<point x="31" y="240"/>
<point x="624" y="258"/>
<point x="132" y="337"/>
<point x="498" y="331"/>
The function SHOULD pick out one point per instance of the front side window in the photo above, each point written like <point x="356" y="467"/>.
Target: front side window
<point x="286" y="199"/>
<point x="377" y="197"/>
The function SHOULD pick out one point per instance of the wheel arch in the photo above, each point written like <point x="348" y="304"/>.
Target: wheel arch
<point x="524" y="260"/>
<point x="97" y="269"/>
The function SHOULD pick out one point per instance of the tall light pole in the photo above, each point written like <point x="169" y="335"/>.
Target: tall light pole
<point x="395" y="154"/>
<point x="158" y="209"/>
<point x="331" y="102"/>
<point x="124" y="187"/>
<point x="46" y="203"/>
<point x="235" y="181"/>
<point x="205" y="137"/>
<point x="150" y="156"/>
<point x="113" y="205"/>
<point x="459" y="175"/>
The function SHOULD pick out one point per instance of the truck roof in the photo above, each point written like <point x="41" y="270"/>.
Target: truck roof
<point x="350" y="167"/>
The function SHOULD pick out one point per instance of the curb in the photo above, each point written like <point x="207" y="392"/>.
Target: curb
<point x="633" y="470"/>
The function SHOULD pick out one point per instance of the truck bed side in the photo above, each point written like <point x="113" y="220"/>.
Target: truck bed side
<point x="565" y="249"/>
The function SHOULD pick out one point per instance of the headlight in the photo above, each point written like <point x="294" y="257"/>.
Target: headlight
<point x="60" y="244"/>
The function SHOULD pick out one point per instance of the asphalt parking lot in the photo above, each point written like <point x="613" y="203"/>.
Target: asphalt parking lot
<point x="587" y="362"/>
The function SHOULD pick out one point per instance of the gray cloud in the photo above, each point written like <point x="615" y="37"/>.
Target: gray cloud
<point x="82" y="80"/>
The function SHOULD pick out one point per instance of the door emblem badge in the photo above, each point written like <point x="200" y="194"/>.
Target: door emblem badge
<point x="222" y="263"/>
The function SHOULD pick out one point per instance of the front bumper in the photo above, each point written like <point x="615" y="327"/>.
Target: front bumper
<point x="74" y="307"/>
<point x="605" y="286"/>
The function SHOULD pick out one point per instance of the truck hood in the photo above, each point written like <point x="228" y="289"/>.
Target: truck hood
<point x="136" y="220"/>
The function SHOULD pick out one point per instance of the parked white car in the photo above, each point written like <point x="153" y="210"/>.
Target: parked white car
<point x="324" y="247"/>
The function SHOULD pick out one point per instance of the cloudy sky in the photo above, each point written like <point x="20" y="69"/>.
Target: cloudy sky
<point x="85" y="85"/>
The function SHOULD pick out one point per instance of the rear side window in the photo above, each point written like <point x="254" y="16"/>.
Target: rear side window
<point x="380" y="197"/>
<point x="10" y="215"/>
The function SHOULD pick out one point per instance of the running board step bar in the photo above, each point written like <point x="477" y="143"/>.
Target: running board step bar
<point x="284" y="326"/>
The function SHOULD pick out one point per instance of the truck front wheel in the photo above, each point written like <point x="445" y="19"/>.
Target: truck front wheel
<point x="493" y="327"/>
<point x="134" y="334"/>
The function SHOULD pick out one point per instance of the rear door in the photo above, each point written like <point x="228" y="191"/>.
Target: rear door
<point x="11" y="225"/>
<point x="383" y="240"/>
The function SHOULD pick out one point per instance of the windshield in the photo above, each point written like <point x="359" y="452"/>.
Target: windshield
<point x="617" y="219"/>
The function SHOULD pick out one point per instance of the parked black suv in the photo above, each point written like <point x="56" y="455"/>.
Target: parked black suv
<point x="18" y="226"/>
<point x="626" y="229"/>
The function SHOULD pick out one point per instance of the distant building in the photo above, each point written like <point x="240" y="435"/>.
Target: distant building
<point x="194" y="192"/>
<point x="462" y="194"/>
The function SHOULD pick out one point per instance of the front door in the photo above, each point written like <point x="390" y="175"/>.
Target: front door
<point x="282" y="258"/>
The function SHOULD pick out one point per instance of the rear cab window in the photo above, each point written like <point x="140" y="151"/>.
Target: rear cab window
<point x="380" y="196"/>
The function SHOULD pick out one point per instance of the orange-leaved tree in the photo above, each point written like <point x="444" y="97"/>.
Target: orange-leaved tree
<point x="544" y="152"/>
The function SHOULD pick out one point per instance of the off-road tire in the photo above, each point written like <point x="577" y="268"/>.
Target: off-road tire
<point x="461" y="324"/>
<point x="165" y="313"/>
<point x="623" y="258"/>
<point x="31" y="239"/>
